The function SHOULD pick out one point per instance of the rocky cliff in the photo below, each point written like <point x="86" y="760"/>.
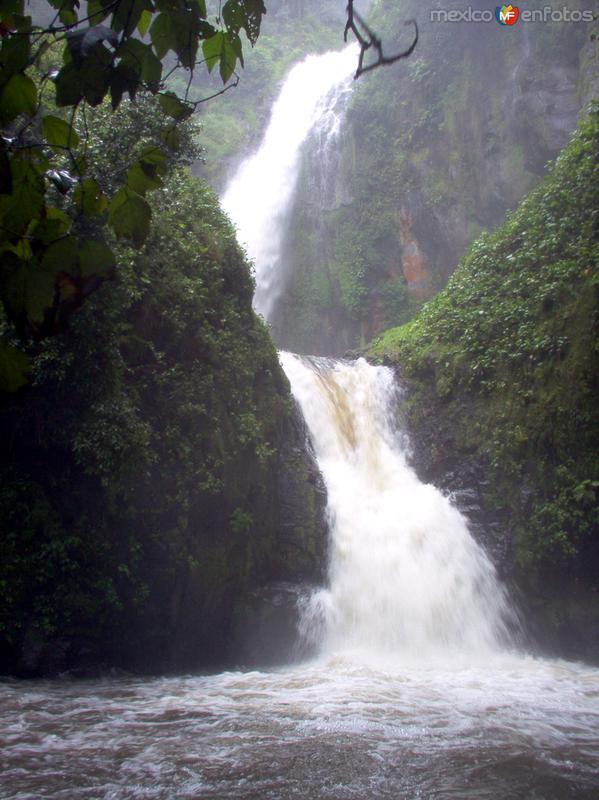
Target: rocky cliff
<point x="435" y="149"/>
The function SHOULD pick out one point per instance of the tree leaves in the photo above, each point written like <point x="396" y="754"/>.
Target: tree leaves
<point x="14" y="55"/>
<point x="142" y="60"/>
<point x="49" y="263"/>
<point x="19" y="96"/>
<point x="89" y="199"/>
<point x="128" y="14"/>
<point x="54" y="225"/>
<point x="173" y="107"/>
<point x="59" y="133"/>
<point x="142" y="177"/>
<point x="88" y="79"/>
<point x="223" y="49"/>
<point x="61" y="256"/>
<point x="66" y="10"/>
<point x="180" y="30"/>
<point x="171" y="137"/>
<point x="228" y="58"/>
<point x="26" y="200"/>
<point x="130" y="215"/>
<point x="146" y="173"/>
<point x="124" y="78"/>
<point x="162" y="35"/>
<point x="27" y="290"/>
<point x="14" y="367"/>
<point x="96" y="258"/>
<point x="246" y="14"/>
<point x="98" y="10"/>
<point x="36" y="289"/>
<point x="212" y="49"/>
<point x="82" y="42"/>
<point x="144" y="22"/>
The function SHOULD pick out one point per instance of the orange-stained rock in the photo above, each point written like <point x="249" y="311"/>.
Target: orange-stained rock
<point x="413" y="264"/>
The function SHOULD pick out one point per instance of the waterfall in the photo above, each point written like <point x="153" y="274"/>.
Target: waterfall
<point x="406" y="577"/>
<point x="259" y="196"/>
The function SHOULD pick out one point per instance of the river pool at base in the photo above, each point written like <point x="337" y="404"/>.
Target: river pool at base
<point x="506" y="728"/>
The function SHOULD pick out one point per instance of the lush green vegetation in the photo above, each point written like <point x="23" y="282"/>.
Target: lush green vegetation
<point x="53" y="213"/>
<point x="140" y="468"/>
<point x="509" y="355"/>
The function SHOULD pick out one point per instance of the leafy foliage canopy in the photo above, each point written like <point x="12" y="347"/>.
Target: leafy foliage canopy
<point x="56" y="221"/>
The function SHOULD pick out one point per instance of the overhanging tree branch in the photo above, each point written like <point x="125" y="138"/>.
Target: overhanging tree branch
<point x="367" y="39"/>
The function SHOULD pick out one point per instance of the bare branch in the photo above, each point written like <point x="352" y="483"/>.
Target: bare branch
<point x="368" y="39"/>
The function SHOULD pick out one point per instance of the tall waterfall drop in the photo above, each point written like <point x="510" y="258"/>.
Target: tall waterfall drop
<point x="260" y="194"/>
<point x="406" y="577"/>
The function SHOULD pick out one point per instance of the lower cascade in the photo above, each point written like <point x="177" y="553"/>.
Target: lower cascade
<point x="406" y="577"/>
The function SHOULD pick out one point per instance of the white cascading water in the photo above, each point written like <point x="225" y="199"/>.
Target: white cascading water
<point x="406" y="577"/>
<point x="259" y="196"/>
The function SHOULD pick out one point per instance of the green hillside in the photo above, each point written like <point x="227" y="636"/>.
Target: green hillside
<point x="503" y="371"/>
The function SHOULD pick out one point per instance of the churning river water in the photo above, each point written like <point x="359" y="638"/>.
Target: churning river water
<point x="506" y="728"/>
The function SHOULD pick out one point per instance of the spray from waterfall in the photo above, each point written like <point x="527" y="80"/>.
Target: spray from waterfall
<point x="259" y="196"/>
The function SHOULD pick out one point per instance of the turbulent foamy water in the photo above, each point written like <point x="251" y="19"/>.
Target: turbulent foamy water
<point x="406" y="577"/>
<point x="506" y="729"/>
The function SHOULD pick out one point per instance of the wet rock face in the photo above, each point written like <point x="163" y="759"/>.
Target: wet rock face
<point x="438" y="459"/>
<point x="264" y="622"/>
<point x="265" y="628"/>
<point x="302" y="530"/>
<point x="234" y="601"/>
<point x="229" y="608"/>
<point x="545" y="111"/>
<point x="415" y="268"/>
<point x="493" y="146"/>
<point x="559" y="617"/>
